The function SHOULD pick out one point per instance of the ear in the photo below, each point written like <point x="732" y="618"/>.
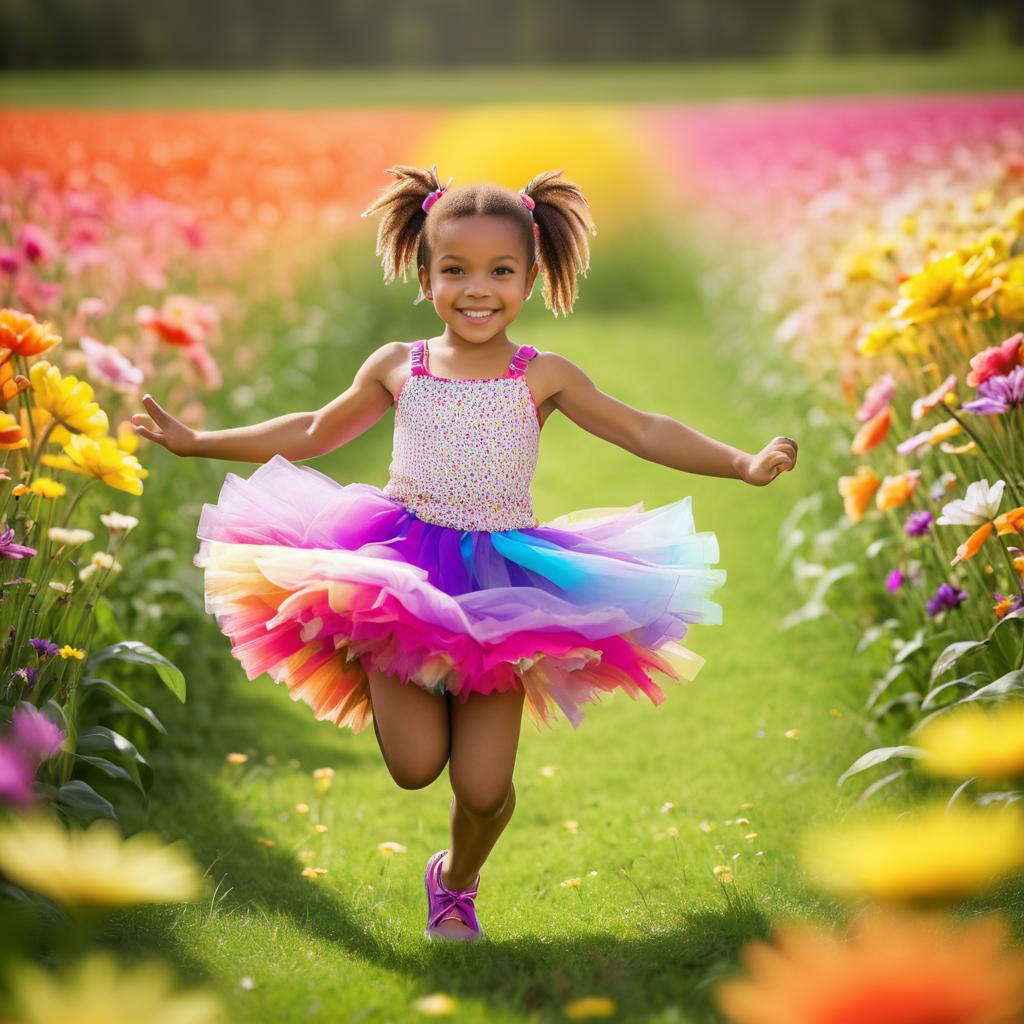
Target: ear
<point x="424" y="282"/>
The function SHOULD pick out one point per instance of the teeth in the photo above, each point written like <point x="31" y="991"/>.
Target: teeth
<point x="478" y="315"/>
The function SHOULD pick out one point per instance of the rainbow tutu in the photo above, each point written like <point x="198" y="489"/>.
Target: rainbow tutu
<point x="318" y="583"/>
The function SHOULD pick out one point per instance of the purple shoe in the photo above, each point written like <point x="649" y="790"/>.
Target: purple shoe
<point x="444" y="903"/>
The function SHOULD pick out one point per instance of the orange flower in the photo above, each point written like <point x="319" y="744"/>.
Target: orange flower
<point x="23" y="335"/>
<point x="1010" y="522"/>
<point x="972" y="545"/>
<point x="11" y="435"/>
<point x="872" y="433"/>
<point x="11" y="382"/>
<point x="889" y="969"/>
<point x="857" y="492"/>
<point x="895" y="490"/>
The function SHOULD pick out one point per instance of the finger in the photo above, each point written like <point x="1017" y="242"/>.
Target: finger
<point x="154" y="408"/>
<point x="143" y="432"/>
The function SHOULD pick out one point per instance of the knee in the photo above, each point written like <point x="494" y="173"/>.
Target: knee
<point x="411" y="773"/>
<point x="483" y="801"/>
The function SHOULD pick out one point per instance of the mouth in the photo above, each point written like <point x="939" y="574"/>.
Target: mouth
<point x="477" y="316"/>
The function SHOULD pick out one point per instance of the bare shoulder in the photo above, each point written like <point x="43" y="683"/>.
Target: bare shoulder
<point x="387" y="365"/>
<point x="553" y="372"/>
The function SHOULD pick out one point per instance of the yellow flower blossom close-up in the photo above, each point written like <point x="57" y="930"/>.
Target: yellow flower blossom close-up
<point x="972" y="741"/>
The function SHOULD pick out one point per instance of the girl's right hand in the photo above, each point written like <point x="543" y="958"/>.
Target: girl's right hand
<point x="163" y="428"/>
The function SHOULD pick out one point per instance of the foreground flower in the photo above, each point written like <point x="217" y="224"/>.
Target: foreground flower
<point x="888" y="969"/>
<point x="970" y="741"/>
<point x="98" y="989"/>
<point x="67" y="399"/>
<point x="95" y="866"/>
<point x="24" y="335"/>
<point x="589" y="1006"/>
<point x="102" y="458"/>
<point x="929" y="854"/>
<point x="979" y="505"/>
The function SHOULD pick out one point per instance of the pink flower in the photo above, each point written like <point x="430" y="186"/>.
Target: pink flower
<point x="923" y="406"/>
<point x="36" y="244"/>
<point x="878" y="396"/>
<point x="996" y="361"/>
<point x="33" y="733"/>
<point x="110" y="365"/>
<point x="16" y="776"/>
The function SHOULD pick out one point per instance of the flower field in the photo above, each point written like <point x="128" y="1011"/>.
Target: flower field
<point x="857" y="265"/>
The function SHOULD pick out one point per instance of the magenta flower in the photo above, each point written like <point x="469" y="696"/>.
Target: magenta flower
<point x="878" y="396"/>
<point x="999" y="394"/>
<point x="8" y="549"/>
<point x="16" y="776"/>
<point x="894" y="580"/>
<point x="918" y="523"/>
<point x="33" y="733"/>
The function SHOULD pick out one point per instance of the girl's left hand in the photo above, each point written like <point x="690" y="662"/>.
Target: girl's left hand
<point x="776" y="457"/>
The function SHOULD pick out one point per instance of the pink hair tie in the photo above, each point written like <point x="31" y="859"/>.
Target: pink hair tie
<point x="435" y="195"/>
<point x="528" y="201"/>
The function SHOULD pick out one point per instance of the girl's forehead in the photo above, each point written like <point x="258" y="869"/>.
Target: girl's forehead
<point x="480" y="231"/>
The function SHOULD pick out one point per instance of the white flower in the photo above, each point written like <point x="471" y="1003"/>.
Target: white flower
<point x="69" y="538"/>
<point x="117" y="522"/>
<point x="979" y="505"/>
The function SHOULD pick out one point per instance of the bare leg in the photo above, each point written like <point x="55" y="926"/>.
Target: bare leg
<point x="484" y="740"/>
<point x="412" y="729"/>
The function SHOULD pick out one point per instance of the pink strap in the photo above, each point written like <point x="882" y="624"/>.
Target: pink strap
<point x="517" y="368"/>
<point x="416" y="358"/>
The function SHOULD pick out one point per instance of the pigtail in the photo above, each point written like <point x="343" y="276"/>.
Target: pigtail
<point x="562" y="215"/>
<point x="401" y="225"/>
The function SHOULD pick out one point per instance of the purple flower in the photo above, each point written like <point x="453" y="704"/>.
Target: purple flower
<point x="43" y="646"/>
<point x="894" y="580"/>
<point x="913" y="443"/>
<point x="998" y="394"/>
<point x="917" y="523"/>
<point x="945" y="597"/>
<point x="8" y="549"/>
<point x="16" y="776"/>
<point x="34" y="733"/>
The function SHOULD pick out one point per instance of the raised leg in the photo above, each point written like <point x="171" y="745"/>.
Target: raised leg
<point x="484" y="740"/>
<point x="412" y="730"/>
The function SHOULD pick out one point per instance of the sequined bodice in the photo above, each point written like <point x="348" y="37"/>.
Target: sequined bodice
<point x="465" y="450"/>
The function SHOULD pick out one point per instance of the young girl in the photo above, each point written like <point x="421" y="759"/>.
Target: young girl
<point x="444" y="578"/>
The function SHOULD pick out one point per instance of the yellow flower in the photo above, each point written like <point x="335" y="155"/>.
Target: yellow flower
<point x="314" y="872"/>
<point x="98" y="989"/>
<point x="548" y="771"/>
<point x="95" y="866"/>
<point x="971" y="741"/>
<point x="589" y="1006"/>
<point x="942" y="286"/>
<point x="268" y="843"/>
<point x="12" y="436"/>
<point x="67" y="399"/>
<point x="319" y="828"/>
<point x="929" y="854"/>
<point x="570" y="883"/>
<point x="723" y="872"/>
<point x="67" y="651"/>
<point x="792" y="734"/>
<point x="571" y="825"/>
<point x="390" y="847"/>
<point x="887" y="968"/>
<point x="302" y="808"/>
<point x="237" y="758"/>
<point x="102" y="459"/>
<point x="306" y="856"/>
<point x="47" y="487"/>
<point x="437" y="1004"/>
<point x="672" y="831"/>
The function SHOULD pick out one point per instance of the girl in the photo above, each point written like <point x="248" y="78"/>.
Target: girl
<point x="444" y="578"/>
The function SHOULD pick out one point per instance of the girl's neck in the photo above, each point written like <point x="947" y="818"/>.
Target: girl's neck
<point x="471" y="356"/>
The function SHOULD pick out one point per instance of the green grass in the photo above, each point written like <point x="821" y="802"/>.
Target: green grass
<point x="969" y="70"/>
<point x="654" y="929"/>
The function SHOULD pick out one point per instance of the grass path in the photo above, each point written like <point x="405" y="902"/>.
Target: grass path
<point x="654" y="927"/>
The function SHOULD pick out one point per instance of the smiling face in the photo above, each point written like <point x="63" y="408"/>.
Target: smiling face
<point x="478" y="264"/>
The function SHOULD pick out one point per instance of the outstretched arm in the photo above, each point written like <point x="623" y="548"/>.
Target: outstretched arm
<point x="656" y="437"/>
<point x="295" y="435"/>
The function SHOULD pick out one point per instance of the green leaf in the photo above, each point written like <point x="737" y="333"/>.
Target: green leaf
<point x="95" y="683"/>
<point x="81" y="801"/>
<point x="968" y="680"/>
<point x="1009" y="683"/>
<point x="951" y="654"/>
<point x="98" y="738"/>
<point x="142" y="654"/>
<point x="111" y="769"/>
<point x="878" y="756"/>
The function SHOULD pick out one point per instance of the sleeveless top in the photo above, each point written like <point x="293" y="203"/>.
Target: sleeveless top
<point x="465" y="450"/>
